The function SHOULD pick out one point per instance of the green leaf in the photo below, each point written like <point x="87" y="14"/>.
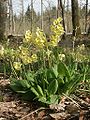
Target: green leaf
<point x="34" y="91"/>
<point x="42" y="99"/>
<point x="52" y="89"/>
<point x="24" y="83"/>
<point x="63" y="70"/>
<point x="17" y="88"/>
<point x="50" y="74"/>
<point x="46" y="81"/>
<point x="52" y="99"/>
<point x="55" y="70"/>
<point x="40" y="90"/>
<point x="30" y="77"/>
<point x="70" y="86"/>
<point x="20" y="86"/>
<point x="60" y="81"/>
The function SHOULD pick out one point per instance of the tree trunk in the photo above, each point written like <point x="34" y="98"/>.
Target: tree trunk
<point x="42" y="14"/>
<point x="2" y="18"/>
<point x="67" y="17"/>
<point x="31" y="15"/>
<point x="88" y="30"/>
<point x="11" y="24"/>
<point x="62" y="8"/>
<point x="22" y="16"/>
<point x="86" y="16"/>
<point x="75" y="18"/>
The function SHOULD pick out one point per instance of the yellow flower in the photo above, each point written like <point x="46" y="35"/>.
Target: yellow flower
<point x="61" y="56"/>
<point x="80" y="57"/>
<point x="81" y="47"/>
<point x="57" y="30"/>
<point x="34" y="57"/>
<point x="54" y="40"/>
<point x="28" y="36"/>
<point x="17" y="65"/>
<point x="40" y="38"/>
<point x="24" y="51"/>
<point x="57" y="21"/>
<point x="26" y="59"/>
<point x="48" y="52"/>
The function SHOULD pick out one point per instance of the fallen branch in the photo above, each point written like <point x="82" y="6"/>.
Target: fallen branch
<point x="42" y="108"/>
<point x="72" y="100"/>
<point x="81" y="102"/>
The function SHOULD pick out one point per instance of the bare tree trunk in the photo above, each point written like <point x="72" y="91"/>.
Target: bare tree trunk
<point x="31" y="15"/>
<point x="11" y="24"/>
<point x="62" y="8"/>
<point x="22" y="14"/>
<point x="2" y="18"/>
<point x="75" y="18"/>
<point x="86" y="16"/>
<point x="88" y="30"/>
<point x="49" y="15"/>
<point x="57" y="8"/>
<point x="67" y="16"/>
<point x="42" y="14"/>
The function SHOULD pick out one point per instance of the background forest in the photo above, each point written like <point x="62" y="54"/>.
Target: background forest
<point x="18" y="21"/>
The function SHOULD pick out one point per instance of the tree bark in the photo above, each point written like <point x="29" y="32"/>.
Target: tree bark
<point x="2" y="18"/>
<point x="75" y="18"/>
<point x="42" y="14"/>
<point x="86" y="16"/>
<point x="62" y="8"/>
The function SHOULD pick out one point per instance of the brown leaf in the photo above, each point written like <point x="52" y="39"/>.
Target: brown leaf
<point x="60" y="116"/>
<point x="81" y="116"/>
<point x="41" y="114"/>
<point x="87" y="100"/>
<point x="58" y="107"/>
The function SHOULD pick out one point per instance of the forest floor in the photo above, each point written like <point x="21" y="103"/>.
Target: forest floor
<point x="12" y="107"/>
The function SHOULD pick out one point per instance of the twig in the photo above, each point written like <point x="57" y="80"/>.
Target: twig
<point x="82" y="102"/>
<point x="42" y="108"/>
<point x="72" y="100"/>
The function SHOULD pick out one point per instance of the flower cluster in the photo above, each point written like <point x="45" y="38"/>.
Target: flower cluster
<point x="56" y="27"/>
<point x="33" y="43"/>
<point x="80" y="57"/>
<point x="57" y="30"/>
<point x="17" y="65"/>
<point x="34" y="58"/>
<point x="40" y="38"/>
<point x="23" y="51"/>
<point x="61" y="57"/>
<point x="28" y="37"/>
<point x="25" y="56"/>
<point x="81" y="48"/>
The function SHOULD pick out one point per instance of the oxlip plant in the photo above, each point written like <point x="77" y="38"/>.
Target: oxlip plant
<point x="40" y="69"/>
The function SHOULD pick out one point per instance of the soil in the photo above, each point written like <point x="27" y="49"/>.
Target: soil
<point x="12" y="107"/>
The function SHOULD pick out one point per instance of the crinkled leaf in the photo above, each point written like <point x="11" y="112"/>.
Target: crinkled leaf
<point x="63" y="70"/>
<point x="19" y="86"/>
<point x="52" y="89"/>
<point x="52" y="99"/>
<point x="40" y="90"/>
<point x="30" y="77"/>
<point x="55" y="70"/>
<point x="24" y="83"/>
